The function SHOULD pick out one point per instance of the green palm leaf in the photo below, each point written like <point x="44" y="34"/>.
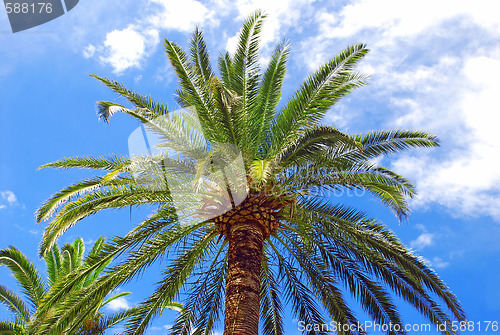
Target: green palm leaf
<point x="25" y="273"/>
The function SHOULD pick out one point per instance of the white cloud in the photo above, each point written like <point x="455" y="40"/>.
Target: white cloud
<point x="118" y="304"/>
<point x="126" y="48"/>
<point x="26" y="230"/>
<point x="430" y="71"/>
<point x="179" y="15"/>
<point x="89" y="51"/>
<point x="7" y="198"/>
<point x="395" y="18"/>
<point x="439" y="263"/>
<point x="466" y="177"/>
<point x="423" y="240"/>
<point x="281" y="15"/>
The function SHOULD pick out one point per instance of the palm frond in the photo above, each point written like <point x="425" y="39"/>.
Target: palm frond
<point x="318" y="93"/>
<point x="75" y="191"/>
<point x="25" y="273"/>
<point x="200" y="59"/>
<point x="245" y="71"/>
<point x="225" y="65"/>
<point x="175" y="277"/>
<point x="313" y="143"/>
<point x="113" y="197"/>
<point x="303" y="302"/>
<point x="155" y="108"/>
<point x="110" y="163"/>
<point x="114" y="297"/>
<point x="133" y="265"/>
<point x="116" y="318"/>
<point x="320" y="278"/>
<point x="14" y="303"/>
<point x="379" y="143"/>
<point x="271" y="308"/>
<point x="192" y="94"/>
<point x="375" y="237"/>
<point x="11" y="328"/>
<point x="269" y="95"/>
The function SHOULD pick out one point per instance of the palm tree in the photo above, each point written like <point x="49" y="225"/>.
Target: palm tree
<point x="60" y="262"/>
<point x="285" y="241"/>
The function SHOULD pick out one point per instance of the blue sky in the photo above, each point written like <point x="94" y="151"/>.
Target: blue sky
<point x="434" y="66"/>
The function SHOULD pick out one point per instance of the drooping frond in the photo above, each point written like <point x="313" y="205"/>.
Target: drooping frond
<point x="380" y="143"/>
<point x="89" y="204"/>
<point x="312" y="144"/>
<point x="149" y="251"/>
<point x="205" y="302"/>
<point x="271" y="309"/>
<point x="303" y="302"/>
<point x="116" y="318"/>
<point x="94" y="263"/>
<point x="14" y="303"/>
<point x="154" y="108"/>
<point x="110" y="163"/>
<point x="374" y="245"/>
<point x="175" y="277"/>
<point x="322" y="280"/>
<point x="75" y="191"/>
<point x="11" y="328"/>
<point x="25" y="273"/>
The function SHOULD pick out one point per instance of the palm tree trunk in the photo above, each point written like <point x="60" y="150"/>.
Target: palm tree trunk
<point x="243" y="279"/>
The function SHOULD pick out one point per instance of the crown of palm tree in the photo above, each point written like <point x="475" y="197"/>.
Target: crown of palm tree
<point x="60" y="262"/>
<point x="303" y="248"/>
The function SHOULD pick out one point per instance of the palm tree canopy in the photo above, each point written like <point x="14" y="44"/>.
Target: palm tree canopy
<point x="60" y="262"/>
<point x="315" y="250"/>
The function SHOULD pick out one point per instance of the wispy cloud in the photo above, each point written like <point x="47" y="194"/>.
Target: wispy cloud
<point x="422" y="241"/>
<point x="439" y="263"/>
<point x="425" y="239"/>
<point x="464" y="177"/>
<point x="26" y="230"/>
<point x="118" y="304"/>
<point x="7" y="198"/>
<point x="421" y="79"/>
<point x="399" y="18"/>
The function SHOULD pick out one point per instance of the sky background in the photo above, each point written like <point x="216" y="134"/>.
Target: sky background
<point x="434" y="66"/>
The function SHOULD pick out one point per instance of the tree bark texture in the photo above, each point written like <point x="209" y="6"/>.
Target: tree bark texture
<point x="246" y="240"/>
